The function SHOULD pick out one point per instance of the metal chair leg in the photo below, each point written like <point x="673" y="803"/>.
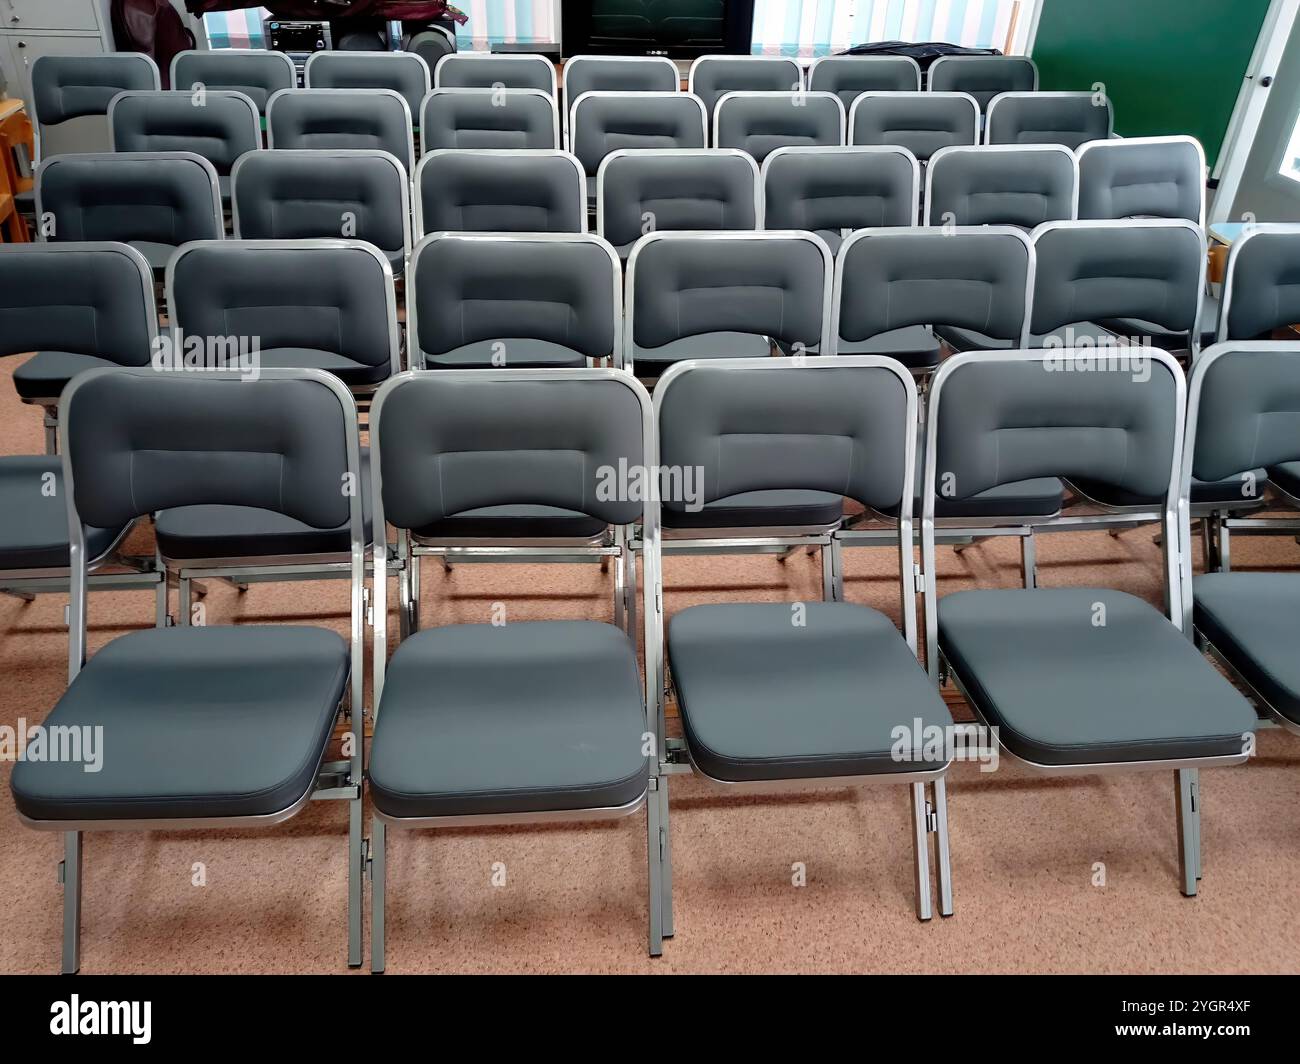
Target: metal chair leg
<point x="183" y="598"/>
<point x="620" y="582"/>
<point x="921" y="851"/>
<point x="629" y="592"/>
<point x="943" y="865"/>
<point x="413" y="561"/>
<point x="378" y="882"/>
<point x="1225" y="548"/>
<point x="1029" y="560"/>
<point x="667" y="848"/>
<point x="356" y="873"/>
<point x="70" y="877"/>
<point x="655" y="867"/>
<point x="1189" y="830"/>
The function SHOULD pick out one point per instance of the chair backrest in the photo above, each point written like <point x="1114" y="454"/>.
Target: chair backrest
<point x="602" y="122"/>
<point x="342" y="118"/>
<point x="489" y="118"/>
<point x="1261" y="286"/>
<point x="920" y="122"/>
<point x="218" y="124"/>
<point x="431" y="44"/>
<point x="978" y="278"/>
<point x="332" y="296"/>
<point x="1097" y="271"/>
<point x="403" y="72"/>
<point x="618" y="73"/>
<point x="560" y="288"/>
<point x="1069" y="118"/>
<point x="488" y="190"/>
<point x="292" y="194"/>
<point x="156" y="197"/>
<point x="1142" y="177"/>
<point x="761" y="122"/>
<point x="712" y="76"/>
<point x="983" y="76"/>
<point x="84" y="298"/>
<point x="1023" y="185"/>
<point x="257" y="73"/>
<point x="75" y="86"/>
<point x="775" y="284"/>
<point x="848" y="76"/>
<point x="840" y="188"/>
<point x="643" y="190"/>
<point x="481" y="70"/>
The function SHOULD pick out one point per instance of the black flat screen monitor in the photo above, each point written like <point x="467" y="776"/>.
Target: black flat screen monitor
<point x="679" y="29"/>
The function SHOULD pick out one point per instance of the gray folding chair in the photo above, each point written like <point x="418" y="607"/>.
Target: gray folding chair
<point x="491" y="724"/>
<point x="1078" y="680"/>
<point x="489" y="118"/>
<point x="1069" y="118"/>
<point x="837" y="427"/>
<point x="641" y="190"/>
<point x="212" y="727"/>
<point x="920" y="122"/>
<point x="761" y="122"/>
<point x="358" y="193"/>
<point x="403" y="72"/>
<point x="983" y="76"/>
<point x="154" y="201"/>
<point x="257" y="73"/>
<point x="848" y="76"/>
<point x="218" y="124"/>
<point x="484" y="70"/>
<point x="618" y="73"/>
<point x="711" y="76"/>
<point x="68" y="87"/>
<point x="377" y="119"/>
<point x="835" y="190"/>
<point x="487" y="190"/>
<point x="1002" y="184"/>
<point x="1142" y="177"/>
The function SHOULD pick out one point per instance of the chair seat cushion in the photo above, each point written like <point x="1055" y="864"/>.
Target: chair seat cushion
<point x="706" y="345"/>
<point x="1253" y="619"/>
<point x="517" y="354"/>
<point x="1162" y="337"/>
<point x="514" y="522"/>
<point x="525" y="717"/>
<point x="764" y="698"/>
<point x="34" y="532"/>
<point x="1064" y="689"/>
<point x="1089" y="335"/>
<point x="1286" y="477"/>
<point x="348" y="370"/>
<point x="44" y="375"/>
<point x="762" y="509"/>
<point x="1203" y="492"/>
<point x="1040" y="497"/>
<point x="915" y="346"/>
<point x="197" y="722"/>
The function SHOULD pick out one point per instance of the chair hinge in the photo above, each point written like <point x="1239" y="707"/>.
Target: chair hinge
<point x="63" y="872"/>
<point x="663" y="842"/>
<point x="368" y="606"/>
<point x="367" y="862"/>
<point x="918" y="579"/>
<point x="931" y="819"/>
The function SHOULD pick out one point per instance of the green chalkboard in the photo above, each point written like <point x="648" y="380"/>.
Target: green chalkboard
<point x="1170" y="66"/>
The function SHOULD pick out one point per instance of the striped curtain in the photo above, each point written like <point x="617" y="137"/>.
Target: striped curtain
<point x="236" y="29"/>
<point x="493" y="22"/>
<point x="822" y="27"/>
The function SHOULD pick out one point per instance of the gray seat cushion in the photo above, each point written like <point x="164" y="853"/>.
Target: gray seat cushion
<point x="197" y="722"/>
<point x="518" y="354"/>
<point x="1286" y="477"/>
<point x="1253" y="619"/>
<point x="34" y="532"/>
<point x="1162" y="337"/>
<point x="1086" y="333"/>
<point x="346" y="369"/>
<point x="762" y="698"/>
<point x="514" y="522"/>
<point x="1064" y="691"/>
<point x="1203" y="492"/>
<point x="1040" y="497"/>
<point x="706" y="345"/>
<point x="44" y="375"/>
<point x="526" y="717"/>
<point x="761" y="509"/>
<point x="915" y="346"/>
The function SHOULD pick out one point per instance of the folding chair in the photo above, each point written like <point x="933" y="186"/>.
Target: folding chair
<point x="486" y="190"/>
<point x="1069" y="118"/>
<point x="848" y="76"/>
<point x="1142" y="177"/>
<point x="640" y="190"/>
<point x="67" y="87"/>
<point x="483" y="70"/>
<point x="403" y="72"/>
<point x="618" y="73"/>
<point x="982" y="76"/>
<point x="920" y="122"/>
<point x="1078" y="680"/>
<point x="257" y="73"/>
<point x="712" y="76"/>
<point x="842" y="426"/>
<point x="485" y="724"/>
<point x="377" y="119"/>
<point x="1002" y="184"/>
<point x="761" y="122"/>
<point x="179" y="706"/>
<point x="489" y="118"/>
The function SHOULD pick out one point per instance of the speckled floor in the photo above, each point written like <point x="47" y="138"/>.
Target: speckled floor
<point x="1024" y="849"/>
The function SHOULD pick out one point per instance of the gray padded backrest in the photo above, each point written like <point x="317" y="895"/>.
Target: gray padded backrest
<point x="1023" y="186"/>
<point x="771" y="285"/>
<point x="1005" y="421"/>
<point x="221" y="128"/>
<point x="342" y="118"/>
<point x="470" y="290"/>
<point x="1248" y="411"/>
<point x="1152" y="272"/>
<point x="848" y="76"/>
<point x="605" y="122"/>
<point x="403" y="72"/>
<point x="762" y="122"/>
<point x="840" y="430"/>
<point x="967" y="279"/>
<point x="501" y="192"/>
<point x="71" y="86"/>
<point x="1069" y="118"/>
<point x="464" y="71"/>
<point x="839" y="188"/>
<point x="168" y="200"/>
<point x="594" y="73"/>
<point x="1156" y="178"/>
<point x="257" y="74"/>
<point x="716" y="75"/>
<point x="1262" y="288"/>
<point x="686" y="190"/>
<point x="920" y="122"/>
<point x="448" y="445"/>
<point x="983" y="76"/>
<point x="290" y="195"/>
<point x="88" y="299"/>
<point x="486" y="118"/>
<point x="140" y="442"/>
<point x="323" y="298"/>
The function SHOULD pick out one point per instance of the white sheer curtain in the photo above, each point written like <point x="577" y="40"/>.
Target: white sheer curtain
<point x="507" y="22"/>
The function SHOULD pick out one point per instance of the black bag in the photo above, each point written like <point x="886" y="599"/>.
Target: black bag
<point x="924" y="53"/>
<point x="153" y="27"/>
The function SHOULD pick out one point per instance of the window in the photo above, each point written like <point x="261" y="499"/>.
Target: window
<point x="1291" y="155"/>
<point x="494" y="22"/>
